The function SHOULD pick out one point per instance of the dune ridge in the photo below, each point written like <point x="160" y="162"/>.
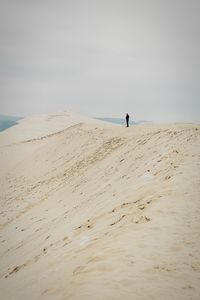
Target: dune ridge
<point x="91" y="210"/>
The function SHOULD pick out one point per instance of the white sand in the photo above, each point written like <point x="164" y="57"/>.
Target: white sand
<point x="91" y="210"/>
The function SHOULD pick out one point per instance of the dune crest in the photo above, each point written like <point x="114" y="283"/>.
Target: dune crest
<point x="91" y="210"/>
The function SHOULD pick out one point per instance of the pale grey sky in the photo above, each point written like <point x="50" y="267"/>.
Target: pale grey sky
<point x="101" y="58"/>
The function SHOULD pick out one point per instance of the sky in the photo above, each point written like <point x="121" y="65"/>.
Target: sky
<point x="101" y="58"/>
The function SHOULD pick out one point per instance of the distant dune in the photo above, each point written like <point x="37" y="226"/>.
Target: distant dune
<point x="92" y="210"/>
<point x="116" y="121"/>
<point x="121" y="121"/>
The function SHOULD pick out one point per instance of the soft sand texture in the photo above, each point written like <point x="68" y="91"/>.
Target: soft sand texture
<point x="91" y="210"/>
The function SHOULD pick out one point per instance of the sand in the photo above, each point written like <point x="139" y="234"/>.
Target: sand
<point x="91" y="210"/>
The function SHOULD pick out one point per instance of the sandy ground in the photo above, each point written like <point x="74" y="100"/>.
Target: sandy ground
<point x="90" y="210"/>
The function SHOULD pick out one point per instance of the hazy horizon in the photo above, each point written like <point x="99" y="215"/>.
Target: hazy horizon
<point x="101" y="58"/>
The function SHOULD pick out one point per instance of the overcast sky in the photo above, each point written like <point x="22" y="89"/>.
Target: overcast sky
<point x="101" y="58"/>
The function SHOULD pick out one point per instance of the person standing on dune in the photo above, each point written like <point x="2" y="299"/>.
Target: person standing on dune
<point x="127" y="120"/>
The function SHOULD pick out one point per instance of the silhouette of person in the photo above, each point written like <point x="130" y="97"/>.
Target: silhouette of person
<point x="127" y="120"/>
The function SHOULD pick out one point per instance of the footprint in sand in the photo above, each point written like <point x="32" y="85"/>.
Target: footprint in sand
<point x="15" y="270"/>
<point x="117" y="221"/>
<point x="142" y="219"/>
<point x="78" y="270"/>
<point x="83" y="227"/>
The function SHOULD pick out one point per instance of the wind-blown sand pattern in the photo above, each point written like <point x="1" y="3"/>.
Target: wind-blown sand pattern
<point x="91" y="210"/>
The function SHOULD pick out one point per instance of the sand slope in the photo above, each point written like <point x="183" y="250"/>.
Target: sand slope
<point x="91" y="210"/>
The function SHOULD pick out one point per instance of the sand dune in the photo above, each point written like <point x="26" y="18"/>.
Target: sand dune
<point x="91" y="210"/>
